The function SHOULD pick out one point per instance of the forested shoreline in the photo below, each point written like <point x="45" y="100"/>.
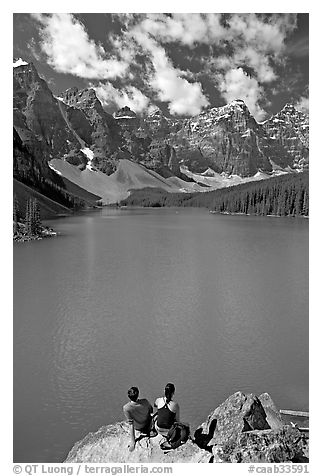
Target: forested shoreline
<point x="285" y="195"/>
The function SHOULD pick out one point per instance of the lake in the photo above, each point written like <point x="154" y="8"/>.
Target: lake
<point x="212" y="303"/>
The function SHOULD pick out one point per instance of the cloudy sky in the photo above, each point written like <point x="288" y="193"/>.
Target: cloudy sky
<point x="182" y="63"/>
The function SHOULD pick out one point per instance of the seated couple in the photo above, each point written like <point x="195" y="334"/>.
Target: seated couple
<point x="139" y="414"/>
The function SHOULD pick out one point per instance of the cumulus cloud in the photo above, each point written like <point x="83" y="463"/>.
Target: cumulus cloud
<point x="128" y="96"/>
<point x="235" y="84"/>
<point x="70" y="50"/>
<point x="246" y="49"/>
<point x="167" y="81"/>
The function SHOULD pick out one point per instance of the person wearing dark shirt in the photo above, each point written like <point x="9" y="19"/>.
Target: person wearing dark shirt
<point x="168" y="411"/>
<point x="138" y="413"/>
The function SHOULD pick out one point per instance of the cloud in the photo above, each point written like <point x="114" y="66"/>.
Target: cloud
<point x="255" y="42"/>
<point x="246" y="50"/>
<point x="128" y="96"/>
<point x="303" y="104"/>
<point x="183" y="96"/>
<point x="69" y="49"/>
<point x="235" y="84"/>
<point x="186" y="28"/>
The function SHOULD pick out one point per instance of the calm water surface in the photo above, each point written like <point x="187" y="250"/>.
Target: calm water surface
<point x="212" y="303"/>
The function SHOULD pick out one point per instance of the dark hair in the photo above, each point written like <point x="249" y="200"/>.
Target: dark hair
<point x="169" y="391"/>
<point x="133" y="394"/>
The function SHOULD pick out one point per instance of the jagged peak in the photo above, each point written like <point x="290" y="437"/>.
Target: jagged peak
<point x="156" y="112"/>
<point x="125" y="113"/>
<point x="289" y="107"/>
<point x="237" y="102"/>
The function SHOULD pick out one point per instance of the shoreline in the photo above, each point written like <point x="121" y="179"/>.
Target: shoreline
<point x="46" y="232"/>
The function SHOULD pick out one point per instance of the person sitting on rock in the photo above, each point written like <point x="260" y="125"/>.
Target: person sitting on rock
<point x="167" y="412"/>
<point x="138" y="413"/>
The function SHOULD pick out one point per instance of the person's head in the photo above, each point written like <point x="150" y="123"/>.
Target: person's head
<point x="169" y="391"/>
<point x="133" y="394"/>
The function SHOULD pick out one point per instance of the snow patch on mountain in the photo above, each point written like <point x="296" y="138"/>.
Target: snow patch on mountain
<point x="222" y="180"/>
<point x="19" y="62"/>
<point x="90" y="155"/>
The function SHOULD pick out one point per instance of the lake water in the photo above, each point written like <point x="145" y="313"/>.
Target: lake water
<point x="212" y="303"/>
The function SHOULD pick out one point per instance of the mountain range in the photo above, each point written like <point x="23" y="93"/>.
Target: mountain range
<point x="69" y="145"/>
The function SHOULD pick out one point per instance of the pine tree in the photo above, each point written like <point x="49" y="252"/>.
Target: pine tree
<point x="36" y="225"/>
<point x="32" y="219"/>
<point x="16" y="213"/>
<point x="28" y="217"/>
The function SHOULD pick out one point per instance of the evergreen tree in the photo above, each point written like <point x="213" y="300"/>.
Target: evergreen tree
<point x="28" y="217"/>
<point x="32" y="219"/>
<point x="16" y="213"/>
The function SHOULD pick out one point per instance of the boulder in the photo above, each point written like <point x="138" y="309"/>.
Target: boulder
<point x="110" y="445"/>
<point x="273" y="416"/>
<point x="283" y="445"/>
<point x="237" y="414"/>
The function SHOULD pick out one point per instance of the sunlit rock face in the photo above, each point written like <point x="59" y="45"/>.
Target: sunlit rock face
<point x="110" y="445"/>
<point x="286" y="140"/>
<point x="224" y="139"/>
<point x="247" y="428"/>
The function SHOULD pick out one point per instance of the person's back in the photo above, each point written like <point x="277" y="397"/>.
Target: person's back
<point x="167" y="410"/>
<point x="138" y="413"/>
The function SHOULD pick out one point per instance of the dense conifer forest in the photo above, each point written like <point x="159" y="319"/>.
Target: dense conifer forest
<point x="285" y="195"/>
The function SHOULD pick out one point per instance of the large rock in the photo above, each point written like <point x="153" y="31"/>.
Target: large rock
<point x="284" y="445"/>
<point x="249" y="429"/>
<point x="273" y="416"/>
<point x="235" y="415"/>
<point x="110" y="445"/>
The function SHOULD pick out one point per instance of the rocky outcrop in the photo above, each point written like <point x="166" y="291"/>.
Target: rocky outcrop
<point x="248" y="428"/>
<point x="235" y="415"/>
<point x="110" y="445"/>
<point x="284" y="445"/>
<point x="245" y="428"/>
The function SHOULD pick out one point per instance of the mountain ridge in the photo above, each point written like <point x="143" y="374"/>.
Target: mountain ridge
<point x="75" y="128"/>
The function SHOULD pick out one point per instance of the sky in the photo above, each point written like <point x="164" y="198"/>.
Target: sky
<point x="182" y="63"/>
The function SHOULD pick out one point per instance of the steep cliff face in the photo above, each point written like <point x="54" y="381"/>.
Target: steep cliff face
<point x="245" y="428"/>
<point x="102" y="132"/>
<point x="286" y="140"/>
<point x="37" y="117"/>
<point x="224" y="139"/>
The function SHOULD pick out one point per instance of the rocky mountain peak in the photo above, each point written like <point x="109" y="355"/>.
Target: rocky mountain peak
<point x="125" y="113"/>
<point x="80" y="98"/>
<point x="156" y="112"/>
<point x="289" y="108"/>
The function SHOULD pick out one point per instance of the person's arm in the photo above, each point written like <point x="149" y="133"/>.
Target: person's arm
<point x="132" y="432"/>
<point x="132" y="437"/>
